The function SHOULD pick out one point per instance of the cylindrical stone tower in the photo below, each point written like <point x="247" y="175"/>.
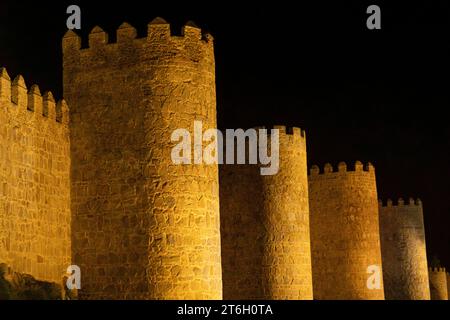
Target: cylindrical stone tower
<point x="438" y="284"/>
<point x="265" y="225"/>
<point x="403" y="251"/>
<point x="345" y="238"/>
<point x="143" y="226"/>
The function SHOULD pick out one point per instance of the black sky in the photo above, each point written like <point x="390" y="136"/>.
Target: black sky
<point x="369" y="95"/>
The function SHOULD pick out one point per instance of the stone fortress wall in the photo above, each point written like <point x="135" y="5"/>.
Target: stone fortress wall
<point x="403" y="250"/>
<point x="141" y="227"/>
<point x="448" y="285"/>
<point x="35" y="217"/>
<point x="345" y="235"/>
<point x="265" y="226"/>
<point x="438" y="284"/>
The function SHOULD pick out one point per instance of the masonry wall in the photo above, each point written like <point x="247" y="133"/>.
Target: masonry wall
<point x="448" y="285"/>
<point x="345" y="238"/>
<point x="438" y="284"/>
<point x="34" y="181"/>
<point x="143" y="227"/>
<point x="403" y="249"/>
<point x="266" y="250"/>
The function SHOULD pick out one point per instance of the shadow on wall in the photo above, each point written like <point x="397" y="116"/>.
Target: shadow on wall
<point x="17" y="286"/>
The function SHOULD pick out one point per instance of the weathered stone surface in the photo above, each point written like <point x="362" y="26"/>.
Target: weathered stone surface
<point x="19" y="286"/>
<point x="438" y="284"/>
<point x="143" y="227"/>
<point x="266" y="250"/>
<point x="34" y="182"/>
<point x="345" y="238"/>
<point x="448" y="285"/>
<point x="403" y="250"/>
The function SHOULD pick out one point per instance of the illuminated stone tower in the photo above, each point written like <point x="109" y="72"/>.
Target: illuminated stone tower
<point x="403" y="250"/>
<point x="143" y="227"/>
<point x="345" y="238"/>
<point x="265" y="226"/>
<point x="438" y="284"/>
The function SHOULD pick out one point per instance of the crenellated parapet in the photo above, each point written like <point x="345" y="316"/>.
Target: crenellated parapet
<point x="15" y="95"/>
<point x="400" y="203"/>
<point x="285" y="134"/>
<point x="437" y="269"/>
<point x="159" y="44"/>
<point x="316" y="172"/>
<point x="286" y="131"/>
<point x="158" y="32"/>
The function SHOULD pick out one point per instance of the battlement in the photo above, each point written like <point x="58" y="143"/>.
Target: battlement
<point x="285" y="130"/>
<point x="400" y="203"/>
<point x="16" y="94"/>
<point x="158" y="31"/>
<point x="437" y="270"/>
<point x="291" y="134"/>
<point x="341" y="168"/>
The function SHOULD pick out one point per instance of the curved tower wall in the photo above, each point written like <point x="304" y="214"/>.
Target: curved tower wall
<point x="265" y="226"/>
<point x="403" y="249"/>
<point x="345" y="238"/>
<point x="143" y="227"/>
<point x="438" y="284"/>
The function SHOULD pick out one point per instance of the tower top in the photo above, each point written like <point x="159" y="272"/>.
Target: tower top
<point x="342" y="168"/>
<point x="158" y="30"/>
<point x="400" y="203"/>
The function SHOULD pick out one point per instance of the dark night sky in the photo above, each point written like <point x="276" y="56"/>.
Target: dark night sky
<point x="378" y="96"/>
